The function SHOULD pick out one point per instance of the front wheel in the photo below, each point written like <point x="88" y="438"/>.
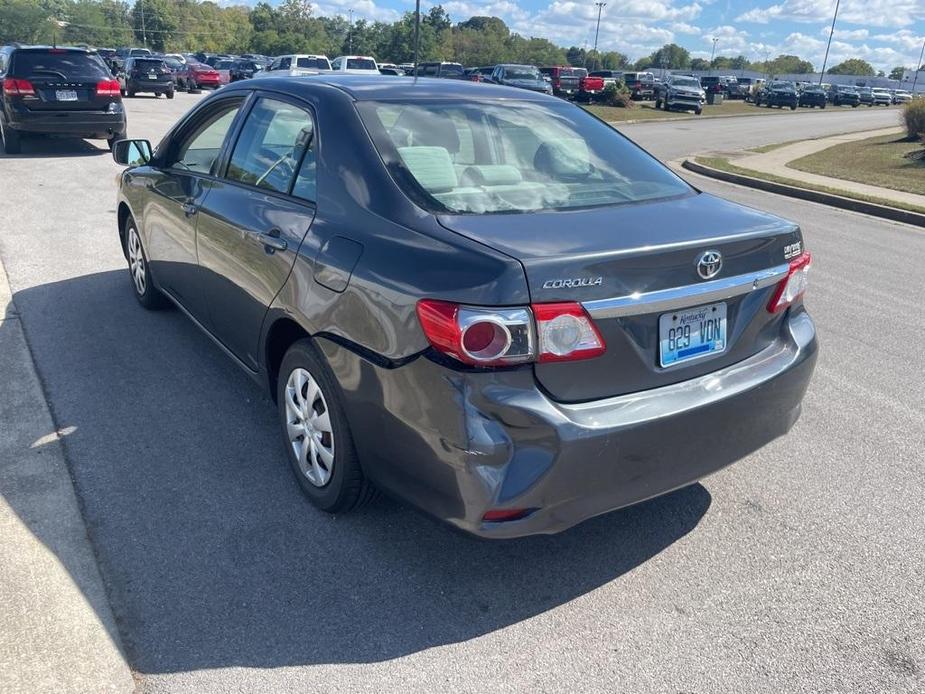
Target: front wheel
<point x="145" y="291"/>
<point x="658" y="104"/>
<point x="316" y="433"/>
<point x="170" y="94"/>
<point x="793" y="108"/>
<point x="698" y="111"/>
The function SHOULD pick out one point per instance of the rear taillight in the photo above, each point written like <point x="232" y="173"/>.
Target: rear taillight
<point x="793" y="286"/>
<point x="108" y="88"/>
<point x="507" y="336"/>
<point x="15" y="87"/>
<point x="565" y="332"/>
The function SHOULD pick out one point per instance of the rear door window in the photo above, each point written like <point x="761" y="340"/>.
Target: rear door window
<point x="273" y="142"/>
<point x="361" y="64"/>
<point x="316" y="63"/>
<point x="63" y="65"/>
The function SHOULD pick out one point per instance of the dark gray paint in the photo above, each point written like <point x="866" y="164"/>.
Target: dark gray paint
<point x="462" y="441"/>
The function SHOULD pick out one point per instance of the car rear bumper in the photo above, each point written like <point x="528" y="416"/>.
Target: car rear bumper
<point x="148" y="86"/>
<point x="91" y="124"/>
<point x="458" y="444"/>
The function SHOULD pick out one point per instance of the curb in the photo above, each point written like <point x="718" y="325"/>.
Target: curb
<point x="875" y="210"/>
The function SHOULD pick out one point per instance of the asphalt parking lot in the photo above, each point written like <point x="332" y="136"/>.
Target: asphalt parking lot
<point x="799" y="569"/>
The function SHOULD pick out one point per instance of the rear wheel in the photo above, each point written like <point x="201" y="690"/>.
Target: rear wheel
<point x="145" y="291"/>
<point x="131" y="94"/>
<point x="316" y="432"/>
<point x="170" y="94"/>
<point x="12" y="142"/>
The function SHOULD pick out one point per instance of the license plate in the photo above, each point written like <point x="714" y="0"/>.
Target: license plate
<point x="66" y="95"/>
<point x="152" y="75"/>
<point x="691" y="333"/>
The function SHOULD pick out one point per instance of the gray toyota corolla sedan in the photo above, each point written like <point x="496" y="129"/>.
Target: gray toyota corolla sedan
<point x="479" y="299"/>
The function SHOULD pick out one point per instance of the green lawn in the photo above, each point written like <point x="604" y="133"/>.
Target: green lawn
<point x="879" y="161"/>
<point x="724" y="165"/>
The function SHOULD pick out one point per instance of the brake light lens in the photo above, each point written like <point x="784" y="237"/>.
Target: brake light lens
<point x="793" y="286"/>
<point x="566" y="333"/>
<point x="108" y="88"/>
<point x="15" y="87"/>
<point x="505" y="515"/>
<point x="507" y="336"/>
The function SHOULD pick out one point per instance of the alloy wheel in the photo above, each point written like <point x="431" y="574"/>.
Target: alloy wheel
<point x="136" y="262"/>
<point x="308" y="427"/>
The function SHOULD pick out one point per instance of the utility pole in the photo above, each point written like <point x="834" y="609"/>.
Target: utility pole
<point x="144" y="36"/>
<point x="829" y="44"/>
<point x="600" y="6"/>
<point x="713" y="52"/>
<point x="417" y="34"/>
<point x="350" y="33"/>
<point x="918" y="69"/>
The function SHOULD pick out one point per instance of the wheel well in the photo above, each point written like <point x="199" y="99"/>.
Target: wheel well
<point x="124" y="214"/>
<point x="283" y="334"/>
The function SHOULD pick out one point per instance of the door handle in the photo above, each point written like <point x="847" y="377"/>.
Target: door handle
<point x="189" y="209"/>
<point x="272" y="241"/>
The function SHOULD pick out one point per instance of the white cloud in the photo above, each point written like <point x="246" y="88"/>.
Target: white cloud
<point x="362" y="9"/>
<point x="878" y="13"/>
<point x="684" y="28"/>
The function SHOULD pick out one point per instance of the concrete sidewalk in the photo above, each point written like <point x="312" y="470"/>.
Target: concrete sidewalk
<point x="57" y="632"/>
<point x="775" y="162"/>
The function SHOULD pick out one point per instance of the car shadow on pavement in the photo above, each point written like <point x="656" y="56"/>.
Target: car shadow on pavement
<point x="212" y="557"/>
<point x="57" y="148"/>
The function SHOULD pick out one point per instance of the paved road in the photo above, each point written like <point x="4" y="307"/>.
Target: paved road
<point x="798" y="569"/>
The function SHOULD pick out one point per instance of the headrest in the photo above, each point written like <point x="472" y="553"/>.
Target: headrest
<point x="431" y="166"/>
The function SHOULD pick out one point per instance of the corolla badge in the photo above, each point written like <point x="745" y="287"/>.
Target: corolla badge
<point x="709" y="264"/>
<point x="573" y="283"/>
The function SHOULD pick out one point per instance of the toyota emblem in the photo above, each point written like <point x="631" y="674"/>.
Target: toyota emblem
<point x="709" y="264"/>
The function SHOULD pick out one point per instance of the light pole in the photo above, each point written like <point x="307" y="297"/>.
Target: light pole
<point x="417" y="33"/>
<point x="825" y="60"/>
<point x="600" y="6"/>
<point x="350" y="33"/>
<point x="713" y="52"/>
<point x="918" y="69"/>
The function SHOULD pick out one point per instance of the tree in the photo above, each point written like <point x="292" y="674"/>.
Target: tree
<point x="788" y="65"/>
<point x="671" y="56"/>
<point x="24" y="20"/>
<point x="154" y="22"/>
<point x="897" y="73"/>
<point x="853" y="66"/>
<point x="700" y="64"/>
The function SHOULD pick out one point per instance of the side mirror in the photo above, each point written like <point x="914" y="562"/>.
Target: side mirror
<point x="131" y="152"/>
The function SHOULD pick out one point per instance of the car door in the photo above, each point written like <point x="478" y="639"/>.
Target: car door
<point x="253" y="220"/>
<point x="177" y="188"/>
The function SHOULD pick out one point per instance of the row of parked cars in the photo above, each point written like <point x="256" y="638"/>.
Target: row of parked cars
<point x="793" y="94"/>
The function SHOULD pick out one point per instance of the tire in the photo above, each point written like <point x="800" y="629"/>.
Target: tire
<point x="855" y="105"/>
<point x="115" y="138"/>
<point x="144" y="290"/>
<point x="658" y="104"/>
<point x="309" y="408"/>
<point x="822" y="106"/>
<point x="170" y="94"/>
<point x="793" y="108"/>
<point x="698" y="111"/>
<point x="12" y="140"/>
<point x="131" y="94"/>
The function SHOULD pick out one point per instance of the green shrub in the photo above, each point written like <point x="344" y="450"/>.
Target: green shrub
<point x="616" y="94"/>
<point x="914" y="118"/>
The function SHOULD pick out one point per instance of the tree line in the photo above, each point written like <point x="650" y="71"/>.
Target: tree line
<point x="293" y="27"/>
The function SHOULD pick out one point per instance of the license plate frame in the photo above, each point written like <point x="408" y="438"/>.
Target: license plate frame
<point x="65" y="95"/>
<point x="707" y="337"/>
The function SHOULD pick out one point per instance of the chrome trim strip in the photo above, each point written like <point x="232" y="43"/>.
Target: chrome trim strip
<point x="690" y="295"/>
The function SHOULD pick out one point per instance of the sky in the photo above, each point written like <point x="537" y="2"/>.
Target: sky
<point x="886" y="33"/>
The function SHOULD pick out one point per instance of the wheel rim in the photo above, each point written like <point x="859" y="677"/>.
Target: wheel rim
<point x="308" y="426"/>
<point x="136" y="261"/>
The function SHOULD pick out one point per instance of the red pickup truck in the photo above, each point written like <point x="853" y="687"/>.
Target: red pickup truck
<point x="573" y="82"/>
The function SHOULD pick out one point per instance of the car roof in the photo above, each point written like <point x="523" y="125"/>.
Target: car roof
<point x="374" y="88"/>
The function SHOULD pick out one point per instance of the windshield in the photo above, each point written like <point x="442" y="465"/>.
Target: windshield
<point x="452" y="69"/>
<point x="521" y="72"/>
<point x="317" y="63"/>
<point x="148" y="64"/>
<point x="487" y="157"/>
<point x="361" y="64"/>
<point x="59" y="64"/>
<point x="685" y="82"/>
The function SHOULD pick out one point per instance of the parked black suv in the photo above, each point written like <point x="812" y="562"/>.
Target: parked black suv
<point x="453" y="71"/>
<point x="57" y="91"/>
<point x="148" y="75"/>
<point x="778" y="93"/>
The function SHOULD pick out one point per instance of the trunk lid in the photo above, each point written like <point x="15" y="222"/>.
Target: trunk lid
<point x="632" y="251"/>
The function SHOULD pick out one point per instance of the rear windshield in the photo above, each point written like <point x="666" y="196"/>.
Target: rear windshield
<point x="685" y="81"/>
<point x="148" y="64"/>
<point x="139" y="51"/>
<point x="508" y="157"/>
<point x="521" y="72"/>
<point x="317" y="63"/>
<point x="452" y="69"/>
<point x="361" y="64"/>
<point x="573" y="72"/>
<point x="224" y="65"/>
<point x="65" y="65"/>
